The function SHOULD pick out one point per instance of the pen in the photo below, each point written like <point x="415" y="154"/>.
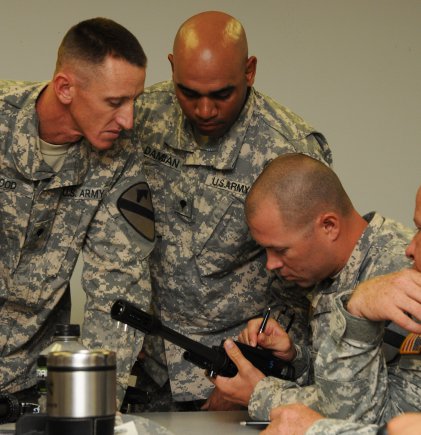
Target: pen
<point x="254" y="423"/>
<point x="265" y="320"/>
<point x="291" y="320"/>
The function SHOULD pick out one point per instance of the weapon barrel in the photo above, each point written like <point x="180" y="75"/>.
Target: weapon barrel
<point x="129" y="314"/>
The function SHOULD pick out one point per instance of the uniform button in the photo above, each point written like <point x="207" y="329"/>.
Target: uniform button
<point x="183" y="203"/>
<point x="40" y="232"/>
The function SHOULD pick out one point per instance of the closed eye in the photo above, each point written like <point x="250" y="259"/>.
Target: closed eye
<point x="222" y="94"/>
<point x="278" y="251"/>
<point x="219" y="94"/>
<point x="115" y="103"/>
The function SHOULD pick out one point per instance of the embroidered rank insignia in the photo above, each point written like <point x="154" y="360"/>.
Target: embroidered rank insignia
<point x="411" y="345"/>
<point x="135" y="204"/>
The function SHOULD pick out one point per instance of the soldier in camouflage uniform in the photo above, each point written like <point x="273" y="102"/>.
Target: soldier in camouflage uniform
<point x="299" y="211"/>
<point x="206" y="136"/>
<point x="350" y="368"/>
<point x="70" y="180"/>
<point x="351" y="373"/>
<point x="298" y="419"/>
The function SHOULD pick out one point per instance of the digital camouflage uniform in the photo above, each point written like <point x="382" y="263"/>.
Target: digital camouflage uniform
<point x="380" y="250"/>
<point x="46" y="219"/>
<point x="208" y="274"/>
<point x="352" y="374"/>
<point x="330" y="426"/>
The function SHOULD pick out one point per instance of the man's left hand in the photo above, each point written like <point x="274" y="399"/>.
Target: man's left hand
<point x="239" y="388"/>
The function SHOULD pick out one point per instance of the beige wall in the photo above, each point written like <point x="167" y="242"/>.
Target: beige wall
<point x="350" y="67"/>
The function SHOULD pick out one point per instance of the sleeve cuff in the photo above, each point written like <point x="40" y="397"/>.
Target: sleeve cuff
<point x="352" y="328"/>
<point x="301" y="362"/>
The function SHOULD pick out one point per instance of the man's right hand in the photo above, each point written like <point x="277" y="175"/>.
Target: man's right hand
<point x="273" y="337"/>
<point x="390" y="297"/>
<point x="294" y="419"/>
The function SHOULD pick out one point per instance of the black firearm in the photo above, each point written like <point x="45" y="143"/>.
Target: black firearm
<point x="213" y="359"/>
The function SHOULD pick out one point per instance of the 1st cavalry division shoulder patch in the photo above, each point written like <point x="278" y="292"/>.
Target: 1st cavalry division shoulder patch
<point x="411" y="345"/>
<point x="135" y="204"/>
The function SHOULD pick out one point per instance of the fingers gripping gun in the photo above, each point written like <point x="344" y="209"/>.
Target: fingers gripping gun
<point x="213" y="359"/>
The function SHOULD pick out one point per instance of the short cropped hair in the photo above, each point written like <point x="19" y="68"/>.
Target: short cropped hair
<point x="301" y="187"/>
<point x="94" y="39"/>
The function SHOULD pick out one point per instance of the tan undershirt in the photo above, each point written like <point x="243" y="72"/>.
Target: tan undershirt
<point x="206" y="143"/>
<point x="53" y="154"/>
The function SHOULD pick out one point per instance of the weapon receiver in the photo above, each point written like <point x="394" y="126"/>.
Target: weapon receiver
<point x="213" y="359"/>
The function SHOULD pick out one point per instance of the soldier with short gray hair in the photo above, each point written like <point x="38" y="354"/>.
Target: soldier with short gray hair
<point x="71" y="181"/>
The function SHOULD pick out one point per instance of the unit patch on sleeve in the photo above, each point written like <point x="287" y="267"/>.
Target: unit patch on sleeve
<point x="135" y="204"/>
<point x="411" y="345"/>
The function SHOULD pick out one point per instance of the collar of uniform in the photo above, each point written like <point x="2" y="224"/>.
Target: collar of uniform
<point x="225" y="155"/>
<point x="27" y="156"/>
<point x="357" y="257"/>
<point x="348" y="276"/>
<point x="75" y="166"/>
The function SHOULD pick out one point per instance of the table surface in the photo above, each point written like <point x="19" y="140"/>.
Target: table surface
<point x="193" y="423"/>
<point x="204" y="422"/>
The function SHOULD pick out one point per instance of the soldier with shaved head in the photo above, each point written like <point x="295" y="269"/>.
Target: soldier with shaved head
<point x="206" y="136"/>
<point x="300" y="213"/>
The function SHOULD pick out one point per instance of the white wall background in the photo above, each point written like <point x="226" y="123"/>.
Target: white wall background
<point x="352" y="68"/>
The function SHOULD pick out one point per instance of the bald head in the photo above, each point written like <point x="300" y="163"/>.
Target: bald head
<point x="209" y="35"/>
<point x="212" y="72"/>
<point x="301" y="187"/>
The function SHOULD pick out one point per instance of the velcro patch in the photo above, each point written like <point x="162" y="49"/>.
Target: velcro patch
<point x="164" y="158"/>
<point x="135" y="204"/>
<point x="234" y="187"/>
<point x="411" y="345"/>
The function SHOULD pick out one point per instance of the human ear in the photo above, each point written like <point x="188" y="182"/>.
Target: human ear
<point x="251" y="70"/>
<point x="171" y="59"/>
<point x="63" y="88"/>
<point x="329" y="223"/>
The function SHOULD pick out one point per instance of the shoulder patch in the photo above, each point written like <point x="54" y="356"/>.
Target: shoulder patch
<point x="411" y="345"/>
<point x="135" y="204"/>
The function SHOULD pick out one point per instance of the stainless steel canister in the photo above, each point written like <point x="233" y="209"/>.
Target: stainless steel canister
<point x="81" y="392"/>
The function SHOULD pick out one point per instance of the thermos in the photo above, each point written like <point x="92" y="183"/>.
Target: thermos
<point x="81" y="395"/>
<point x="81" y="392"/>
<point x="66" y="337"/>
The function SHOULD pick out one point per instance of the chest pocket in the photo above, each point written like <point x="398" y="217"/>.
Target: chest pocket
<point x="40" y="266"/>
<point x="320" y="319"/>
<point x="68" y="231"/>
<point x="15" y="200"/>
<point x="223" y="241"/>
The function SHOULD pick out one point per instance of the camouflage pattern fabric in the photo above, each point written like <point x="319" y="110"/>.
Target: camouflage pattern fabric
<point x="380" y="250"/>
<point x="208" y="275"/>
<point x="329" y="426"/>
<point x="46" y="219"/>
<point x="353" y="376"/>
